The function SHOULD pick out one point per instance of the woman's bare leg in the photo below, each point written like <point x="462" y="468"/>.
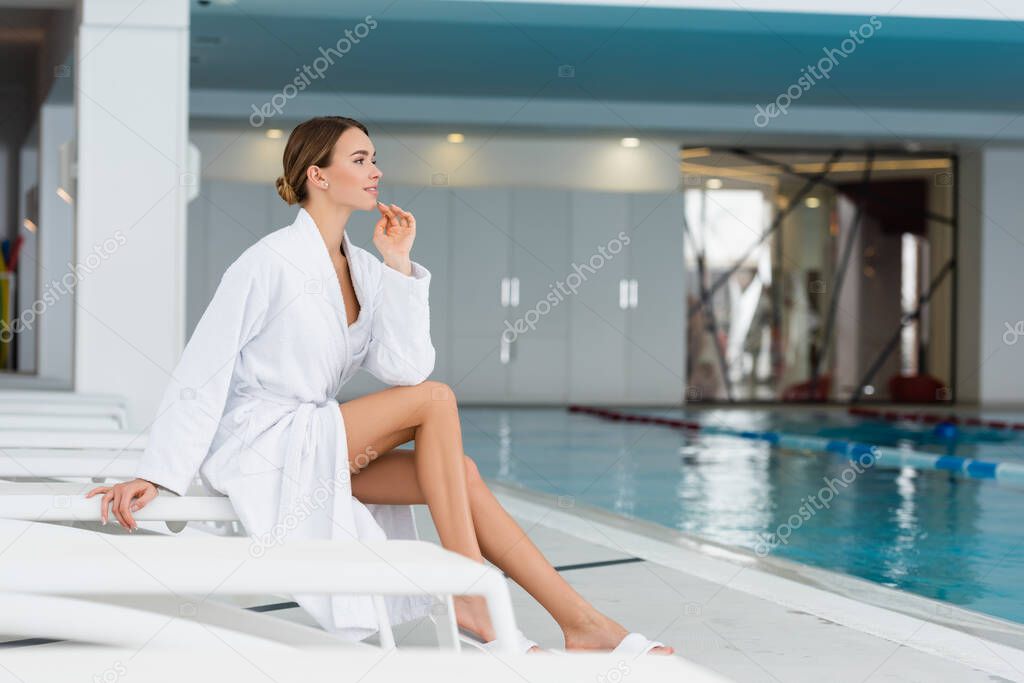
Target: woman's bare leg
<point x="426" y="412"/>
<point x="396" y="479"/>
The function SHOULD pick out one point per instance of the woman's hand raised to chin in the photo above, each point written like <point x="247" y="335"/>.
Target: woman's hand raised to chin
<point x="393" y="236"/>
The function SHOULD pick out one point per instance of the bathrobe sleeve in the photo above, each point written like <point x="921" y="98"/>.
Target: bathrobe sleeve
<point x="193" y="402"/>
<point x="400" y="351"/>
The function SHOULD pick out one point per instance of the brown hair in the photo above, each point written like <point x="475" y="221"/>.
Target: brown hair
<point x="310" y="144"/>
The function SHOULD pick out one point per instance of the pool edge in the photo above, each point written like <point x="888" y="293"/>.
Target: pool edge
<point x="937" y="628"/>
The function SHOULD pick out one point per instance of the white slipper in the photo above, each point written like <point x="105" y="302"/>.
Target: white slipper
<point x="469" y="638"/>
<point x="636" y="644"/>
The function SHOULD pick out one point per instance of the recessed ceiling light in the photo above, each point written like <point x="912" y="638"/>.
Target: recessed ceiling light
<point x="456" y="137"/>
<point x="714" y="184"/>
<point x="630" y="142"/>
<point x="812" y="202"/>
<point x="274" y="133"/>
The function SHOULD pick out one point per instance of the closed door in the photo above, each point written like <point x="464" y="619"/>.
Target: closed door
<point x="539" y="310"/>
<point x="597" y="331"/>
<point x="655" y="370"/>
<point x="479" y="255"/>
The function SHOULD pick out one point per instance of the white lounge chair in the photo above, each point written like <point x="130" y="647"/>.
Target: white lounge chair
<point x="60" y="422"/>
<point x="73" y="439"/>
<point x="57" y="561"/>
<point x="60" y="410"/>
<point x="134" y="621"/>
<point x="96" y="464"/>
<point x="55" y="501"/>
<point x="60" y="397"/>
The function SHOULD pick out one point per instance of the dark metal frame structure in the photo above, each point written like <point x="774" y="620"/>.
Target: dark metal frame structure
<point x="762" y="155"/>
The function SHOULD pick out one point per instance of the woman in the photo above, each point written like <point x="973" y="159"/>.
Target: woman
<point x="292" y="320"/>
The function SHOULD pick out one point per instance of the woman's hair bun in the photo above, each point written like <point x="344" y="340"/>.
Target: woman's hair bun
<point x="286" y="191"/>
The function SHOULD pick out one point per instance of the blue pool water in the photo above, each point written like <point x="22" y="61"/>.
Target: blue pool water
<point x="926" y="532"/>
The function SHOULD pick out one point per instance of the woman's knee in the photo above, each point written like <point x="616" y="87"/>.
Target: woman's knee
<point x="439" y="397"/>
<point x="438" y="391"/>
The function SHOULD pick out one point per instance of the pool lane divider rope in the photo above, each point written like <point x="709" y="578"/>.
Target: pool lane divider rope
<point x="868" y="454"/>
<point x="932" y="418"/>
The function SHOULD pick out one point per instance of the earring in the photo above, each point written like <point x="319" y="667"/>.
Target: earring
<point x="325" y="186"/>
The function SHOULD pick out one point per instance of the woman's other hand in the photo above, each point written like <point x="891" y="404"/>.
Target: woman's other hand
<point x="126" y="498"/>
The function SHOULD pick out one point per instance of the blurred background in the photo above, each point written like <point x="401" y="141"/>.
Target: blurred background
<point x="684" y="202"/>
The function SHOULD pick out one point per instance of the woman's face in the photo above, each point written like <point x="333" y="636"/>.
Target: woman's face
<point x="353" y="169"/>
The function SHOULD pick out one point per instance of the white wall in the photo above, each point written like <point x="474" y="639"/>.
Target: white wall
<point x="999" y="362"/>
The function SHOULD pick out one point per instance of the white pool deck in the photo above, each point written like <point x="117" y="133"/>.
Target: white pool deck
<point x="748" y="618"/>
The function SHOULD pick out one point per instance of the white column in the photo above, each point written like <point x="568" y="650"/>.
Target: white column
<point x="999" y="360"/>
<point x="131" y="97"/>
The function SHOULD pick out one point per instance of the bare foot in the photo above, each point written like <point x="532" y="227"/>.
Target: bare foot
<point x="601" y="634"/>
<point x="471" y="614"/>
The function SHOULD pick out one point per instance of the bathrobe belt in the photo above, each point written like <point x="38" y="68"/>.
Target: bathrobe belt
<point x="301" y="441"/>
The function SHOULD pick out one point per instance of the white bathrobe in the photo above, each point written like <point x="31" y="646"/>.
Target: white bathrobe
<point x="251" y="405"/>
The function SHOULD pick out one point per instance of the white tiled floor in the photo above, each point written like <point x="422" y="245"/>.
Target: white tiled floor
<point x="732" y="632"/>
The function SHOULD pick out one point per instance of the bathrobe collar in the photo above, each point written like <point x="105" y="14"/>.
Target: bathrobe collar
<point x="306" y="220"/>
<point x="308" y="228"/>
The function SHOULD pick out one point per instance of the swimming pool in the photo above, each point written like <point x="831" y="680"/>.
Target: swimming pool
<point x="929" y="532"/>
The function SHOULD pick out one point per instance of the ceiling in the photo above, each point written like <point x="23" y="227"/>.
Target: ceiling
<point x="436" y="47"/>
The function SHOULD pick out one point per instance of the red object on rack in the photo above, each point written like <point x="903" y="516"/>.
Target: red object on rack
<point x="804" y="392"/>
<point x="15" y="250"/>
<point x="915" y="389"/>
